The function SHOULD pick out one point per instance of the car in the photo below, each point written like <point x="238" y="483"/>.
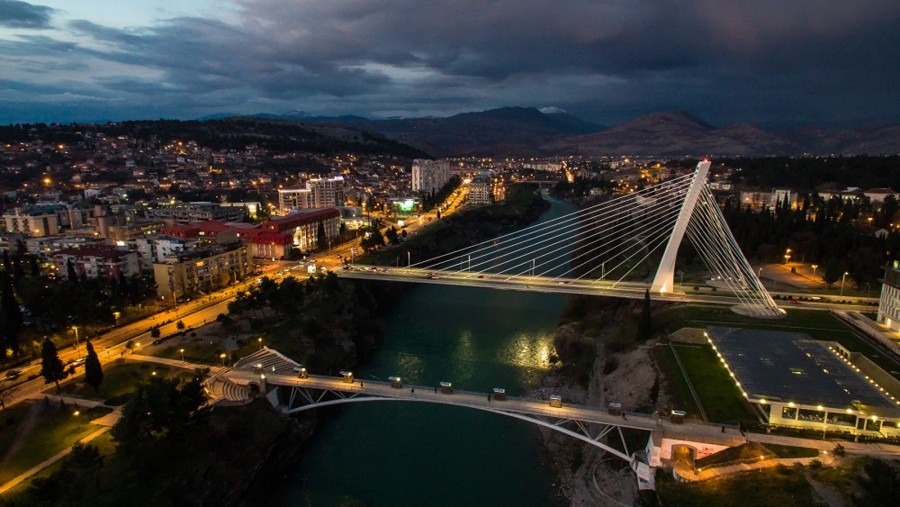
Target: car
<point x="80" y="361"/>
<point x="12" y="374"/>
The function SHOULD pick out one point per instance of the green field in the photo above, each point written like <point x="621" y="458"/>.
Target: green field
<point x="120" y="380"/>
<point x="718" y="393"/>
<point x="33" y="432"/>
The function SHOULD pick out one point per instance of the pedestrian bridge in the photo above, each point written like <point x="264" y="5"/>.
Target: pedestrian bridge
<point x="287" y="386"/>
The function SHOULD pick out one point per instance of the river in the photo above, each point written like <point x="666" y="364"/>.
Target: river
<point x="412" y="454"/>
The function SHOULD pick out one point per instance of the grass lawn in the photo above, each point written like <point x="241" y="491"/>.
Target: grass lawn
<point x="120" y="380"/>
<point x="54" y="429"/>
<point x="776" y="487"/>
<point x="196" y="350"/>
<point x="719" y="395"/>
<point x="681" y="395"/>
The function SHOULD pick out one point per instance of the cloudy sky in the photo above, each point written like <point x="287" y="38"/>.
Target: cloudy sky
<point x="777" y="63"/>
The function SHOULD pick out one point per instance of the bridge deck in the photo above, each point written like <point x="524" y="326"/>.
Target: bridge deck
<point x="540" y="408"/>
<point x="631" y="290"/>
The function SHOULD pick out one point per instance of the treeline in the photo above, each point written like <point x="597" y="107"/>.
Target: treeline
<point x="829" y="234"/>
<point x="33" y="303"/>
<point x="326" y="323"/>
<point x="808" y="174"/>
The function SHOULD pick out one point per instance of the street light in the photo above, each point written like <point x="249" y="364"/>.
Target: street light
<point x="814" y="266"/>
<point x="260" y="343"/>
<point x="787" y="256"/>
<point x="76" y="339"/>
<point x="182" y="354"/>
<point x="842" y="282"/>
<point x="222" y="356"/>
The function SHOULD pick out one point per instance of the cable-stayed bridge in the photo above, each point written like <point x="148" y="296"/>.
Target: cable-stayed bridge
<point x="620" y="247"/>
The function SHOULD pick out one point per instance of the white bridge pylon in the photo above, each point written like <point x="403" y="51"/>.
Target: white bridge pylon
<point x="616" y="242"/>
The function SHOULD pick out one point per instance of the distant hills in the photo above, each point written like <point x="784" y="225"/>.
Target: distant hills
<point x="520" y="131"/>
<point x="679" y="133"/>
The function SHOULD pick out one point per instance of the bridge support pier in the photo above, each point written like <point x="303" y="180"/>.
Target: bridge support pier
<point x="664" y="281"/>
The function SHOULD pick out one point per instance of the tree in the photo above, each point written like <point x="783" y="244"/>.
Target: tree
<point x="321" y="237"/>
<point x="51" y="366"/>
<point x="154" y="332"/>
<point x="93" y="372"/>
<point x="71" y="274"/>
<point x="158" y="410"/>
<point x="645" y="324"/>
<point x="392" y="236"/>
<point x="180" y="325"/>
<point x="12" y="317"/>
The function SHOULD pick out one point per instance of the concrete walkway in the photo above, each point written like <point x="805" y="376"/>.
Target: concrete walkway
<point x="862" y="448"/>
<point x="177" y="363"/>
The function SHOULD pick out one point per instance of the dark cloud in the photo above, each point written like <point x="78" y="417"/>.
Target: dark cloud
<point x="767" y="61"/>
<point x="15" y="14"/>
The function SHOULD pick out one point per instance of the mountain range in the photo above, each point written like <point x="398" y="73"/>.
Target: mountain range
<point x="521" y="131"/>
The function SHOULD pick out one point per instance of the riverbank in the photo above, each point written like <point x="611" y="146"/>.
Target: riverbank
<point x="601" y="361"/>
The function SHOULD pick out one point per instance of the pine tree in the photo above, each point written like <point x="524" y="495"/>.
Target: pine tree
<point x="321" y="237"/>
<point x="35" y="267"/>
<point x="93" y="372"/>
<point x="645" y="325"/>
<point x="71" y="274"/>
<point x="12" y="316"/>
<point x="51" y="366"/>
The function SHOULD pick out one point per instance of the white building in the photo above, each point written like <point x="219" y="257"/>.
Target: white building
<point x="889" y="305"/>
<point x="430" y="175"/>
<point x="481" y="190"/>
<point x="319" y="193"/>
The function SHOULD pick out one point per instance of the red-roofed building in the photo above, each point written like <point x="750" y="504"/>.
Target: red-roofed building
<point x="273" y="238"/>
<point x="98" y="261"/>
<point x="302" y="228"/>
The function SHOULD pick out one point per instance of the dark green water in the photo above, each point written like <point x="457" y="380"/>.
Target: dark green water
<point x="414" y="454"/>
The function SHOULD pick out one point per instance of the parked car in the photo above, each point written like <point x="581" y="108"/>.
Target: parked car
<point x="12" y="374"/>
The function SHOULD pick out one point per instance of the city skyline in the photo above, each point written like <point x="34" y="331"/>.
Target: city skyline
<point x="828" y="63"/>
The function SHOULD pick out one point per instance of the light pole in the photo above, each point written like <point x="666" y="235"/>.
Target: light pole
<point x="814" y="266"/>
<point x="222" y="356"/>
<point x="259" y="340"/>
<point x="408" y="259"/>
<point x="182" y="355"/>
<point x="76" y="339"/>
<point x="842" y="282"/>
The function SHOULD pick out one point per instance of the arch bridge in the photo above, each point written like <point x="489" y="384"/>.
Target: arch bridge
<point x="289" y="388"/>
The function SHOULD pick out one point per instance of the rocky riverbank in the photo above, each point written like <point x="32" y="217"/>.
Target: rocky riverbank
<point x="621" y="371"/>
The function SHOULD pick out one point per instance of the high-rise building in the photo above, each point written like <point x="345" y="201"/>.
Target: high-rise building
<point x="430" y="175"/>
<point x="481" y="190"/>
<point x="319" y="193"/>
